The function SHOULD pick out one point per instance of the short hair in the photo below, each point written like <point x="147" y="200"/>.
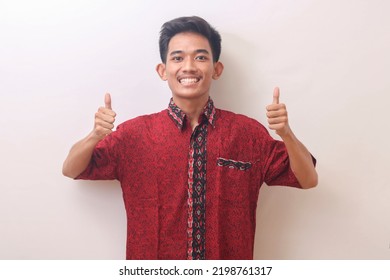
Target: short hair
<point x="189" y="24"/>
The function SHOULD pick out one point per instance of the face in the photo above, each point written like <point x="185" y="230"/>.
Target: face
<point x="189" y="68"/>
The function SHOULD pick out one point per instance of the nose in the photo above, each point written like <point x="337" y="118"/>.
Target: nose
<point x="189" y="65"/>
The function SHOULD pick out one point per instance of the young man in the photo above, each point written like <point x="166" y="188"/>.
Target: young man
<point x="191" y="174"/>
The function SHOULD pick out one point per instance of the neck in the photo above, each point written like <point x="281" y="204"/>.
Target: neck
<point x="192" y="108"/>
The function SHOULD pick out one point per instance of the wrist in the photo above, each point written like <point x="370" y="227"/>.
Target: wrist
<point x="93" y="138"/>
<point x="288" y="136"/>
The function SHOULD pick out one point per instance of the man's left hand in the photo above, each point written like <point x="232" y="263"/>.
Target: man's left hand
<point x="277" y="116"/>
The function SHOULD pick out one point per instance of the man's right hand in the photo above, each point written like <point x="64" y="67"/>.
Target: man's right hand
<point x="104" y="119"/>
<point x="81" y="153"/>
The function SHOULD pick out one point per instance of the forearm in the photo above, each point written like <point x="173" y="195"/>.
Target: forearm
<point x="81" y="153"/>
<point x="79" y="156"/>
<point x="301" y="161"/>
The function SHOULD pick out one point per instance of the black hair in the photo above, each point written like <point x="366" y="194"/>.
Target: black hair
<point x="189" y="24"/>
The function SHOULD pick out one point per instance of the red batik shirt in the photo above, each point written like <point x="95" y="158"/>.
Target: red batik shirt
<point x="191" y="194"/>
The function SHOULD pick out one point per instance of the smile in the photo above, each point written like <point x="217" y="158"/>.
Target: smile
<point x="188" y="81"/>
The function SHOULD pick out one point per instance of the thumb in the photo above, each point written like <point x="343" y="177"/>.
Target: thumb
<point x="107" y="101"/>
<point x="276" y="96"/>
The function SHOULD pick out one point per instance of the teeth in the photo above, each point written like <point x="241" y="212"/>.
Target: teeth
<point x="189" y="80"/>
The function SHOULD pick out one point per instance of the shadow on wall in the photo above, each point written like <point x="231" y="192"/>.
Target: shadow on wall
<point x="313" y="224"/>
<point x="240" y="88"/>
<point x="101" y="200"/>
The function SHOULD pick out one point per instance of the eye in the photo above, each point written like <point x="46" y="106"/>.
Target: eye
<point x="177" y="58"/>
<point x="201" y="58"/>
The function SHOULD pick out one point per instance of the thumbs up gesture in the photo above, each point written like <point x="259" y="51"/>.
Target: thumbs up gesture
<point x="104" y="119"/>
<point x="277" y="115"/>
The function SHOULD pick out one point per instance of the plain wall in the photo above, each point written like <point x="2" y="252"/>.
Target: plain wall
<point x="330" y="59"/>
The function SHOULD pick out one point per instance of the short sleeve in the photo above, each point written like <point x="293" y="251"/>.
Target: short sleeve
<point x="104" y="161"/>
<point x="277" y="168"/>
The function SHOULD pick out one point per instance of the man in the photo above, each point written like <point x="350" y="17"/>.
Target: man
<point x="191" y="174"/>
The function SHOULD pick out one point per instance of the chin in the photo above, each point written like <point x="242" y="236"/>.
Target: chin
<point x="189" y="95"/>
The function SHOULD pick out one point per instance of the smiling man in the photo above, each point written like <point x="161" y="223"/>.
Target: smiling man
<point x="191" y="174"/>
<point x="189" y="67"/>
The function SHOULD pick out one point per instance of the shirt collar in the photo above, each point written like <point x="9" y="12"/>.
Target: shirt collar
<point x="178" y="116"/>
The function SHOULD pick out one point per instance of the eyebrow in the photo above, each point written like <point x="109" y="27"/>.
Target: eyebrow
<point x="196" y="51"/>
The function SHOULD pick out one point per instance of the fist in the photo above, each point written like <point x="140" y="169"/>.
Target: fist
<point x="104" y="119"/>
<point x="277" y="115"/>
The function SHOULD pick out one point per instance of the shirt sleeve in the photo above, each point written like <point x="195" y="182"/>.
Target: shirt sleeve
<point x="104" y="161"/>
<point x="277" y="168"/>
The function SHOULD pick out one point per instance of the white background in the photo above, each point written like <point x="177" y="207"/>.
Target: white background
<point x="330" y="58"/>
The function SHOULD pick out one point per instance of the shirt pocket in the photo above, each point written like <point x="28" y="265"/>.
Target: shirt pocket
<point x="234" y="164"/>
<point x="235" y="181"/>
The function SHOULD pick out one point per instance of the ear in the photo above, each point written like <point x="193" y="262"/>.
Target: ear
<point x="218" y="69"/>
<point x="160" y="68"/>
